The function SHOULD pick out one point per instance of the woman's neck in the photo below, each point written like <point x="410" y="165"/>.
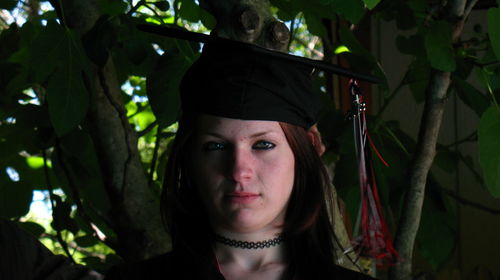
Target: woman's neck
<point x="245" y="263"/>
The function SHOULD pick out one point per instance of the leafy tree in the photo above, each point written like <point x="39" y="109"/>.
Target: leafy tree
<point x="89" y="103"/>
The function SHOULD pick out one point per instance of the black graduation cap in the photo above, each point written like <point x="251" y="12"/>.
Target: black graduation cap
<point x="244" y="81"/>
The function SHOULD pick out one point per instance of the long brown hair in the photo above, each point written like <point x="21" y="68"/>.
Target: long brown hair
<point x="307" y="230"/>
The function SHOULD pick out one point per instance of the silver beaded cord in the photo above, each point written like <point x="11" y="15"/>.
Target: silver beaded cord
<point x="247" y="244"/>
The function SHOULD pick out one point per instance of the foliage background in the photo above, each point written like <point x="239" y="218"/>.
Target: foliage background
<point x="48" y="118"/>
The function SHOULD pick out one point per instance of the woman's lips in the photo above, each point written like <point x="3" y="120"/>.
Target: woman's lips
<point x="242" y="197"/>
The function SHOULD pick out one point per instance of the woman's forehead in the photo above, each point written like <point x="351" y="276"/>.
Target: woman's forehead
<point x="209" y="124"/>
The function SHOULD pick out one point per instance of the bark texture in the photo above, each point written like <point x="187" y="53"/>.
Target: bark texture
<point x="134" y="215"/>
<point x="456" y="12"/>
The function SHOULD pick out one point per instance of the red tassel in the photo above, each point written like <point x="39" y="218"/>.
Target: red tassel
<point x="375" y="240"/>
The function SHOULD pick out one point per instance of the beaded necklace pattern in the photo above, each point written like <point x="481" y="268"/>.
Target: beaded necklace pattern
<point x="248" y="244"/>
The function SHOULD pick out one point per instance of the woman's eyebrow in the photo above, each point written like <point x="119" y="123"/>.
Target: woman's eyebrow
<point x="254" y="135"/>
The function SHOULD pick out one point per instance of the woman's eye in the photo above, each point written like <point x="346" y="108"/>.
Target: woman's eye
<point x="213" y="146"/>
<point x="263" y="145"/>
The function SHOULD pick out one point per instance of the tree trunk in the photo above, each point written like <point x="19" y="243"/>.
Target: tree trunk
<point x="456" y="12"/>
<point x="134" y="215"/>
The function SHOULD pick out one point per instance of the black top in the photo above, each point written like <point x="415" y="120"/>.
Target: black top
<point x="175" y="266"/>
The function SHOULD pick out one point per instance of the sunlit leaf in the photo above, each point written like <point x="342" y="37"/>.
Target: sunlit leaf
<point x="489" y="153"/>
<point x="494" y="29"/>
<point x="143" y="119"/>
<point x="35" y="162"/>
<point x="370" y="4"/>
<point x="341" y="49"/>
<point x="438" y="44"/>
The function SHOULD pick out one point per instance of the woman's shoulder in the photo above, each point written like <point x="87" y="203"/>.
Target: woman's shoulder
<point x="166" y="266"/>
<point x="146" y="269"/>
<point x="344" y="273"/>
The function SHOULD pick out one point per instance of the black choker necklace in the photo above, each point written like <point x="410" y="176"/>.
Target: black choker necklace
<point x="247" y="244"/>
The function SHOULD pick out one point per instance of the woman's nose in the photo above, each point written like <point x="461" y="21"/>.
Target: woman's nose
<point x="241" y="166"/>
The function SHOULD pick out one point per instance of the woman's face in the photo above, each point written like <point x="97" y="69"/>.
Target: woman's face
<point x="244" y="171"/>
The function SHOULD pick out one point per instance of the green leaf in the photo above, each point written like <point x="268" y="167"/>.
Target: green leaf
<point x="494" y="29"/>
<point x="99" y="40"/>
<point x="45" y="51"/>
<point x="162" y="5"/>
<point x="412" y="45"/>
<point x="68" y="100"/>
<point x="360" y="59"/>
<point x="207" y="19"/>
<point x="436" y="236"/>
<point x="86" y="241"/>
<point x="489" y="153"/>
<point x="8" y="4"/>
<point x="62" y="216"/>
<point x="112" y="7"/>
<point x="31" y="227"/>
<point x="438" y="45"/>
<point x="15" y="198"/>
<point x="314" y="24"/>
<point x="352" y="10"/>
<point x="164" y="97"/>
<point x="470" y="96"/>
<point x="287" y="10"/>
<point x="370" y="4"/>
<point x="190" y="11"/>
<point x="447" y="160"/>
<point x="418" y="77"/>
<point x="35" y="162"/>
<point x="58" y="56"/>
<point x="83" y="167"/>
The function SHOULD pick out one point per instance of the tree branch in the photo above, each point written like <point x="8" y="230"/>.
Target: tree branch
<point x="425" y="151"/>
<point x="419" y="169"/>
<point x="147" y="129"/>
<point x="470" y="203"/>
<point x="57" y="222"/>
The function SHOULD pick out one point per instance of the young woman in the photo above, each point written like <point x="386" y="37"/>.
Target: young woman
<point x="245" y="193"/>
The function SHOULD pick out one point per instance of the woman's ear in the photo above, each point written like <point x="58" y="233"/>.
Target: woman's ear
<point x="315" y="138"/>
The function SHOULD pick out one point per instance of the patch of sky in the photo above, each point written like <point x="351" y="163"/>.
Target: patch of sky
<point x="129" y="90"/>
<point x="40" y="205"/>
<point x="12" y="173"/>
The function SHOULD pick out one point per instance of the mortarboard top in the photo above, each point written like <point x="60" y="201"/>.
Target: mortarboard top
<point x="244" y="81"/>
